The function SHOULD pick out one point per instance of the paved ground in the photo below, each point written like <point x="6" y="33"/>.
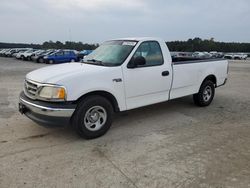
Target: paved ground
<point x="174" y="144"/>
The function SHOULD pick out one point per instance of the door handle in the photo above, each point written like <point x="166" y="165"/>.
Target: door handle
<point x="165" y="73"/>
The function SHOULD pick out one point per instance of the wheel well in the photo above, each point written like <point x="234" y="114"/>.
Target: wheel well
<point x="104" y="94"/>
<point x="211" y="78"/>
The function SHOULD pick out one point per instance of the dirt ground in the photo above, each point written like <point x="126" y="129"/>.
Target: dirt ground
<point x="173" y="144"/>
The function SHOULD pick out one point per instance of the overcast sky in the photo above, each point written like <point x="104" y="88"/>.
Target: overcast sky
<point x="93" y="21"/>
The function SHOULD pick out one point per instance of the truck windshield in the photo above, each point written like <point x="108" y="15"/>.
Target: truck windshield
<point x="111" y="53"/>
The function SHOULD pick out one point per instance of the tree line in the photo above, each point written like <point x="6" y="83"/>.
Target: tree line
<point x="197" y="44"/>
<point x="191" y="45"/>
<point x="52" y="45"/>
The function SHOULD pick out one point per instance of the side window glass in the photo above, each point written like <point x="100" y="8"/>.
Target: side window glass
<point x="151" y="51"/>
<point x="59" y="53"/>
<point x="67" y="53"/>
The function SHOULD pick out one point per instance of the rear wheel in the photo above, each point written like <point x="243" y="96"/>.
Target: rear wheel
<point x="93" y="117"/>
<point x="205" y="95"/>
<point x="51" y="61"/>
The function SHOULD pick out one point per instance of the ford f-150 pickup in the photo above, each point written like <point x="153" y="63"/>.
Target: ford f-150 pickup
<point x="120" y="75"/>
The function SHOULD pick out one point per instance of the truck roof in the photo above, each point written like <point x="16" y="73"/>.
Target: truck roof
<point x="139" y="38"/>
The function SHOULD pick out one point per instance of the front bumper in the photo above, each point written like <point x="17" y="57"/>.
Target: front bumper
<point x="46" y="113"/>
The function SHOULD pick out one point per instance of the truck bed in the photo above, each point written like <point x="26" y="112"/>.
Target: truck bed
<point x="189" y="73"/>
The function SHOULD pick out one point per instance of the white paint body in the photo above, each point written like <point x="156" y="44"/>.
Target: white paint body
<point x="139" y="86"/>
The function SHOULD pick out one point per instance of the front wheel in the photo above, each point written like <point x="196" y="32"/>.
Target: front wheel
<point x="205" y="95"/>
<point x="40" y="60"/>
<point x="93" y="117"/>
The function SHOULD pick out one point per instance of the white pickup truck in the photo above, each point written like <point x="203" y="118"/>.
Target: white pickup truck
<point x="119" y="75"/>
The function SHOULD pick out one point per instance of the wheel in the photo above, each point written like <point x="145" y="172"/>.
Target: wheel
<point x="51" y="61"/>
<point x="22" y="57"/>
<point x="205" y="95"/>
<point x="93" y="117"/>
<point x="40" y="60"/>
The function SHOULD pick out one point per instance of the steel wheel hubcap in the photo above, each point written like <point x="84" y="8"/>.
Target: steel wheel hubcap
<point x="207" y="93"/>
<point x="95" y="118"/>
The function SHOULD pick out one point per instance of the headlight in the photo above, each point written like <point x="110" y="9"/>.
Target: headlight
<point x="45" y="57"/>
<point x="52" y="93"/>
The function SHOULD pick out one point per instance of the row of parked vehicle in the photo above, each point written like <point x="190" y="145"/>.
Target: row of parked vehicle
<point x="236" y="56"/>
<point x="49" y="56"/>
<point x="209" y="55"/>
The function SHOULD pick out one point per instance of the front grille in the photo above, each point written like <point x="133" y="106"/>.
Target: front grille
<point x="30" y="89"/>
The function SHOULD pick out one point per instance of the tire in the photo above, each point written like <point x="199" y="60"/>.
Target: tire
<point x="40" y="60"/>
<point x="93" y="117"/>
<point x="51" y="61"/>
<point x="205" y="95"/>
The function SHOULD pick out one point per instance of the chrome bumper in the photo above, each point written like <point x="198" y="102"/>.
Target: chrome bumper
<point x="48" y="111"/>
<point x="47" y="114"/>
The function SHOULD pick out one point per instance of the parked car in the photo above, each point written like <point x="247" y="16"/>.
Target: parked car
<point x="27" y="54"/>
<point x="39" y="56"/>
<point x="4" y="52"/>
<point x="18" y="50"/>
<point x="19" y="54"/>
<point x="236" y="56"/>
<point x="215" y="54"/>
<point x="240" y="56"/>
<point x="229" y="56"/>
<point x="10" y="52"/>
<point x="36" y="53"/>
<point x="199" y="55"/>
<point x="119" y="75"/>
<point x="61" y="56"/>
<point x="83" y="53"/>
<point x="220" y="55"/>
<point x="207" y="55"/>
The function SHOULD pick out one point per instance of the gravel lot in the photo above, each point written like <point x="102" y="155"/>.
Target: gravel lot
<point x="173" y="144"/>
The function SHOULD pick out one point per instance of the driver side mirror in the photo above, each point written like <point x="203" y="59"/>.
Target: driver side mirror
<point x="138" y="61"/>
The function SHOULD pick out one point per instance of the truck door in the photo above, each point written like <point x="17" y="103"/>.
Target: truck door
<point x="149" y="83"/>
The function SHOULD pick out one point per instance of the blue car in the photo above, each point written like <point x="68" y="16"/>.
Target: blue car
<point x="61" y="56"/>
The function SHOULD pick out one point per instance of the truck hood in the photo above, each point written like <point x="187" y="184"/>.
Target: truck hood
<point x="55" y="73"/>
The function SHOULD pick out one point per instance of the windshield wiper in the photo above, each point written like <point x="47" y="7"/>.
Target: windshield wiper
<point x="96" y="62"/>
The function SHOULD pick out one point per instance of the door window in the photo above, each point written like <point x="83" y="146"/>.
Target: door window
<point x="59" y="53"/>
<point x="67" y="53"/>
<point x="152" y="53"/>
